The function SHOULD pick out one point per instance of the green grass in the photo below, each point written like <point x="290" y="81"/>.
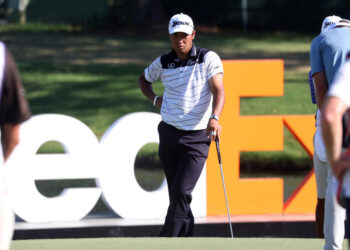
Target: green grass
<point x="92" y="77"/>
<point x="294" y="101"/>
<point x="36" y="28"/>
<point x="171" y="244"/>
<point x="96" y="94"/>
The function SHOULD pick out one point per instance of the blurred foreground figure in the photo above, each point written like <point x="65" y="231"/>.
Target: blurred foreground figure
<point x="13" y="110"/>
<point x="327" y="55"/>
<point x="192" y="102"/>
<point x="323" y="174"/>
<point x="336" y="133"/>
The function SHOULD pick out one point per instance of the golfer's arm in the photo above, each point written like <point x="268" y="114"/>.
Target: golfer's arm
<point x="10" y="138"/>
<point x="331" y="121"/>
<point x="146" y="88"/>
<point x="217" y="89"/>
<point x="321" y="88"/>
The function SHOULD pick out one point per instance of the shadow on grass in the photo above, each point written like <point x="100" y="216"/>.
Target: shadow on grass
<point x="95" y="94"/>
<point x="82" y="48"/>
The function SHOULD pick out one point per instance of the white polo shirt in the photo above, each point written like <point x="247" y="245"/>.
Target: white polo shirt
<point x="187" y="97"/>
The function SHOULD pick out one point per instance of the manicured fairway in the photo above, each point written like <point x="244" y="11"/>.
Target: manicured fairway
<point x="171" y="244"/>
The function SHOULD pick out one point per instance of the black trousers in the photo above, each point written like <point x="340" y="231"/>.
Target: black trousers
<point x="183" y="155"/>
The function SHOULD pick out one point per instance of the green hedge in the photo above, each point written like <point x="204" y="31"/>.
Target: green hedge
<point x="76" y="12"/>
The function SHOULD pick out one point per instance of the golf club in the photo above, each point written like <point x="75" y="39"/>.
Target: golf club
<point x="223" y="183"/>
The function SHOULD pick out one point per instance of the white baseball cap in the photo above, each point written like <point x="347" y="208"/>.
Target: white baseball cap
<point x="343" y="23"/>
<point x="329" y="23"/>
<point x="181" y="23"/>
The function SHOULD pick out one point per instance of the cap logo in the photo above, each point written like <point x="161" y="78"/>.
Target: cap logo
<point x="180" y="23"/>
<point x="327" y="24"/>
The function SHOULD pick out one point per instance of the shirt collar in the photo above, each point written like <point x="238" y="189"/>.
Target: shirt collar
<point x="191" y="54"/>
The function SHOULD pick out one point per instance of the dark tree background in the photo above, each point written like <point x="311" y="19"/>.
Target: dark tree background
<point x="263" y="15"/>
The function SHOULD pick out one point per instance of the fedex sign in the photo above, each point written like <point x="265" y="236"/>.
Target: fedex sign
<point x="111" y="161"/>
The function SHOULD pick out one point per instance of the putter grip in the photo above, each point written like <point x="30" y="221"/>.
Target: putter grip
<point x="218" y="149"/>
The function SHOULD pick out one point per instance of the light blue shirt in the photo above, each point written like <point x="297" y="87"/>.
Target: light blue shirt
<point x="328" y="52"/>
<point x="312" y="88"/>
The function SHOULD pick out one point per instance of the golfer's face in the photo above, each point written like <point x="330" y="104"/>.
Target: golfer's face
<point x="182" y="42"/>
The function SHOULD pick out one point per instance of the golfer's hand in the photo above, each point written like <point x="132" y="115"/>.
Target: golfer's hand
<point x="214" y="129"/>
<point x="159" y="102"/>
<point x="340" y="167"/>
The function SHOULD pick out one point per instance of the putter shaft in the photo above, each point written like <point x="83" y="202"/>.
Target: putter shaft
<point x="223" y="183"/>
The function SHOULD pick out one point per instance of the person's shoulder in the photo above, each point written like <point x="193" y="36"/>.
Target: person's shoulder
<point x="166" y="58"/>
<point x="168" y="54"/>
<point x="210" y="55"/>
<point x="200" y="50"/>
<point x="317" y="39"/>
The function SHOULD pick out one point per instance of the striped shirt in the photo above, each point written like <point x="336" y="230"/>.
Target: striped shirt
<point x="187" y="97"/>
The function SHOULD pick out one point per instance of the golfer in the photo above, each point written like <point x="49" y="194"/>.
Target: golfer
<point x="327" y="55"/>
<point x="335" y="131"/>
<point x="13" y="110"/>
<point x="190" y="107"/>
<point x="323" y="174"/>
